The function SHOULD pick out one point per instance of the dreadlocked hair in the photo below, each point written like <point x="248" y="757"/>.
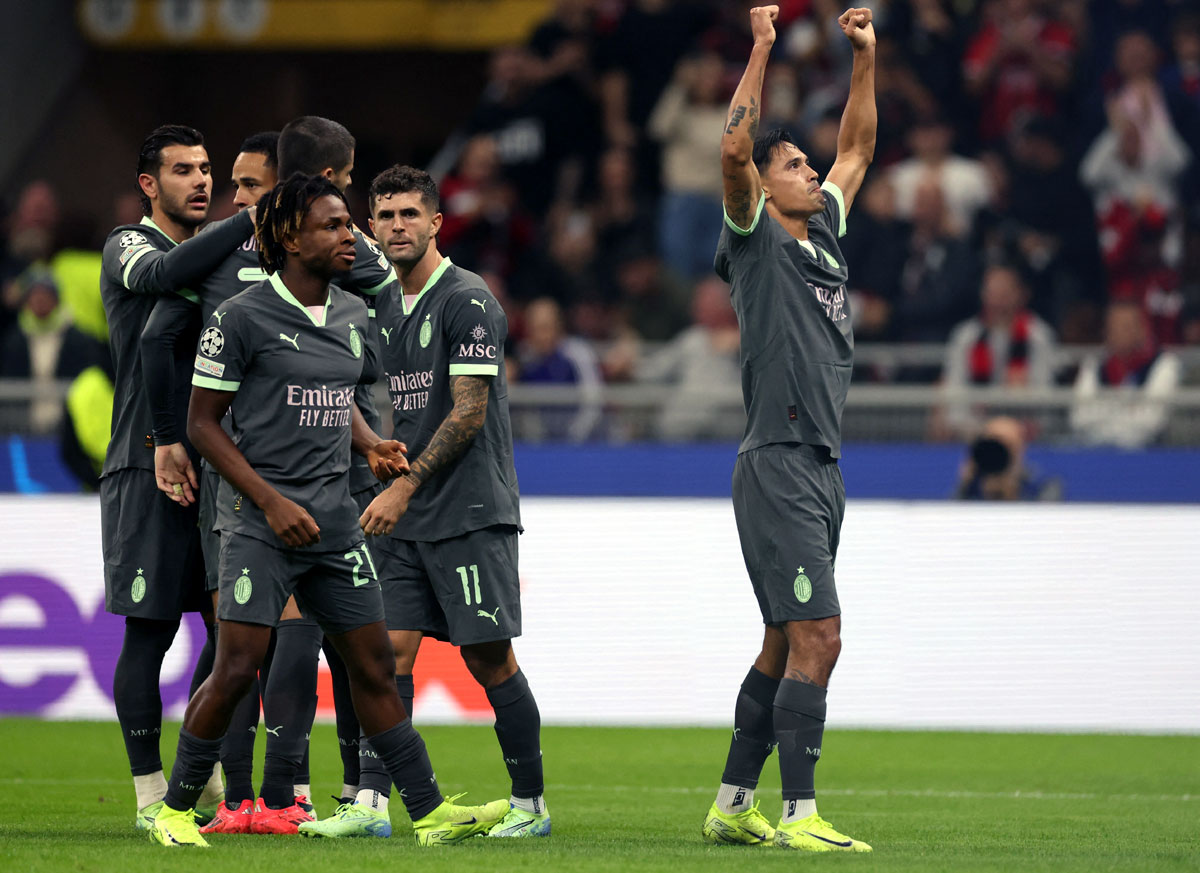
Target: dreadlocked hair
<point x="281" y="212"/>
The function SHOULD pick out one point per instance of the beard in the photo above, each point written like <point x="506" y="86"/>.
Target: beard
<point x="176" y="209"/>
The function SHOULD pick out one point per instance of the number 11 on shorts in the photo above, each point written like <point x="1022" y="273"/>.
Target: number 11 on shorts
<point x="462" y="572"/>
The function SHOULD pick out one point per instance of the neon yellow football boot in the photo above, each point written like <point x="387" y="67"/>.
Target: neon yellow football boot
<point x="814" y="834"/>
<point x="747" y="828"/>
<point x="450" y="823"/>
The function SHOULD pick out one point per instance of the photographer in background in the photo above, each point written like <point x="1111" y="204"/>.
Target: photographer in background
<point x="995" y="469"/>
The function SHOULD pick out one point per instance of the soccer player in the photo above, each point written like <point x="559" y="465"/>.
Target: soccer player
<point x="286" y="356"/>
<point x="448" y="530"/>
<point x="313" y="146"/>
<point x="779" y="252"/>
<point x="152" y="562"/>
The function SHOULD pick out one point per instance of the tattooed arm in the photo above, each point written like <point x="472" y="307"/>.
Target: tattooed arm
<point x="448" y="443"/>
<point x="742" y="186"/>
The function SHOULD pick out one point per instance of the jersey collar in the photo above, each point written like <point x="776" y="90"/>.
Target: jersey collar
<point x="433" y="278"/>
<point x="282" y="290"/>
<point x="149" y="222"/>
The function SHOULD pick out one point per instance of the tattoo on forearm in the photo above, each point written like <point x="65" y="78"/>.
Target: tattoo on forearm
<point x="456" y="431"/>
<point x="753" y="126"/>
<point x="736" y="117"/>
<point x="801" y="676"/>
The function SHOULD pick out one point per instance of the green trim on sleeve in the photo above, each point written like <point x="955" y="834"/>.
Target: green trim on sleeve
<point x="214" y="384"/>
<point x="137" y="257"/>
<point x="191" y="296"/>
<point x="474" y="369"/>
<point x="746" y="231"/>
<point x="841" y="202"/>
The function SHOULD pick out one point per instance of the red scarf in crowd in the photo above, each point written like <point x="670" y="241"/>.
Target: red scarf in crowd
<point x="1131" y="369"/>
<point x="982" y="365"/>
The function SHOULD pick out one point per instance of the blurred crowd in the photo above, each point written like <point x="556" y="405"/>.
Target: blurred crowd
<point x="1035" y="183"/>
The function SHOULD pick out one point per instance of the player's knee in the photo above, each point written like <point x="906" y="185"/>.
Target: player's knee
<point x="490" y="663"/>
<point x="231" y="677"/>
<point x="827" y="642"/>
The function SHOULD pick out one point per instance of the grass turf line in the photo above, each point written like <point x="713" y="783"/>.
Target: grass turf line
<point x="626" y="799"/>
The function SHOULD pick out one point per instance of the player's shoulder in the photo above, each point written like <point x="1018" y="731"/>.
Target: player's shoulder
<point x="459" y="286"/>
<point x="128" y="236"/>
<point x="253" y="301"/>
<point x="347" y="301"/>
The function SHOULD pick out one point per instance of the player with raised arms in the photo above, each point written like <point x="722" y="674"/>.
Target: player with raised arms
<point x="286" y="356"/>
<point x="779" y="253"/>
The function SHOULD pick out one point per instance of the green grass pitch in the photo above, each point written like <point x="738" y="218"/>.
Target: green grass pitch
<point x="633" y="800"/>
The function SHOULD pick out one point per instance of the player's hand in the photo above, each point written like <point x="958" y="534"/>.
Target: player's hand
<point x="174" y="473"/>
<point x="387" y="459"/>
<point x="856" y="24"/>
<point x="292" y="523"/>
<point x="762" y="24"/>
<point x="385" y="510"/>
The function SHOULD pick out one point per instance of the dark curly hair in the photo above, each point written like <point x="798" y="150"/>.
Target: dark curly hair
<point x="281" y="211"/>
<point x="401" y="179"/>
<point x="150" y="157"/>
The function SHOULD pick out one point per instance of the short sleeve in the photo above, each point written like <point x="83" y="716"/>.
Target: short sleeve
<point x="834" y="214"/>
<point x="372" y="272"/>
<point x="741" y="244"/>
<point x="476" y="329"/>
<point x="128" y="253"/>
<point x="222" y="355"/>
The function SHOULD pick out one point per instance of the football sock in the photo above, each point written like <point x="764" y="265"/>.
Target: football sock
<point x="214" y="788"/>
<point x="150" y="788"/>
<point x="753" y="740"/>
<point x="349" y="792"/>
<point x="518" y="727"/>
<point x="405" y="688"/>
<point x="372" y="773"/>
<point x="799" y="725"/>
<point x="289" y="705"/>
<point x="794" y="810"/>
<point x="204" y="662"/>
<point x="535" y="805"/>
<point x="237" y="749"/>
<point x="136" y="692"/>
<point x="403" y="754"/>
<point x="194" y="762"/>
<point x="377" y="800"/>
<point x="347" y="721"/>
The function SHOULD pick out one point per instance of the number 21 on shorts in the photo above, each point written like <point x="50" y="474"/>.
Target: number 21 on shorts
<point x="357" y="555"/>
<point x="466" y="581"/>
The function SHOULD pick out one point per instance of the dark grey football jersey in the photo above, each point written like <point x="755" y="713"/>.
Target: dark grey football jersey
<point x="455" y="327"/>
<point x="128" y="293"/>
<point x="370" y="274"/>
<point x="797" y="343"/>
<point x="295" y="378"/>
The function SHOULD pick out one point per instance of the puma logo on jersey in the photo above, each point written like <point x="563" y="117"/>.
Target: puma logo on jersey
<point x="218" y="316"/>
<point x="293" y="340"/>
<point x="478" y="303"/>
<point x="491" y="615"/>
<point x="387" y="334"/>
<point x="273" y="731"/>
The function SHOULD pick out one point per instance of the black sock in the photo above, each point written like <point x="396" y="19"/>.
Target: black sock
<point x="237" y="749"/>
<point x="799" y="725"/>
<point x="406" y="689"/>
<point x="753" y="730"/>
<point x="289" y="705"/>
<point x="204" y="662"/>
<point x="518" y="727"/>
<point x="136" y="691"/>
<point x="403" y="754"/>
<point x="347" y="722"/>
<point x="194" y="762"/>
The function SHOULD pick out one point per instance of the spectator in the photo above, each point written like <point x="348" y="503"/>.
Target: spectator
<point x="1005" y="345"/>
<point x="1123" y="398"/>
<point x="44" y="347"/>
<point x="964" y="182"/>
<point x="623" y="217"/>
<point x="702" y="363"/>
<point x="876" y="242"/>
<point x="1133" y="170"/>
<point x="1017" y="64"/>
<point x="938" y="279"/>
<point x="566" y="269"/>
<point x="651" y="302"/>
<point x="687" y="122"/>
<point x="995" y="468"/>
<point x="483" y="227"/>
<point x="549" y="357"/>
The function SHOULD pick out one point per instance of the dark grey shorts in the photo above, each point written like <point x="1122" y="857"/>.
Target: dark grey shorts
<point x="210" y="540"/>
<point x="153" y="567"/>
<point x="338" y="589"/>
<point x="465" y="589"/>
<point x="789" y="502"/>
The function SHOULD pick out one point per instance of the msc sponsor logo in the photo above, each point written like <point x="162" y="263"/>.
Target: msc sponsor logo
<point x="476" y="350"/>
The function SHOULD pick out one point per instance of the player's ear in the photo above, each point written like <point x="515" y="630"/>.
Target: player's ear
<point x="149" y="185"/>
<point x="328" y="173"/>
<point x="290" y="244"/>
<point x="436" y="223"/>
<point x="765" y="193"/>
